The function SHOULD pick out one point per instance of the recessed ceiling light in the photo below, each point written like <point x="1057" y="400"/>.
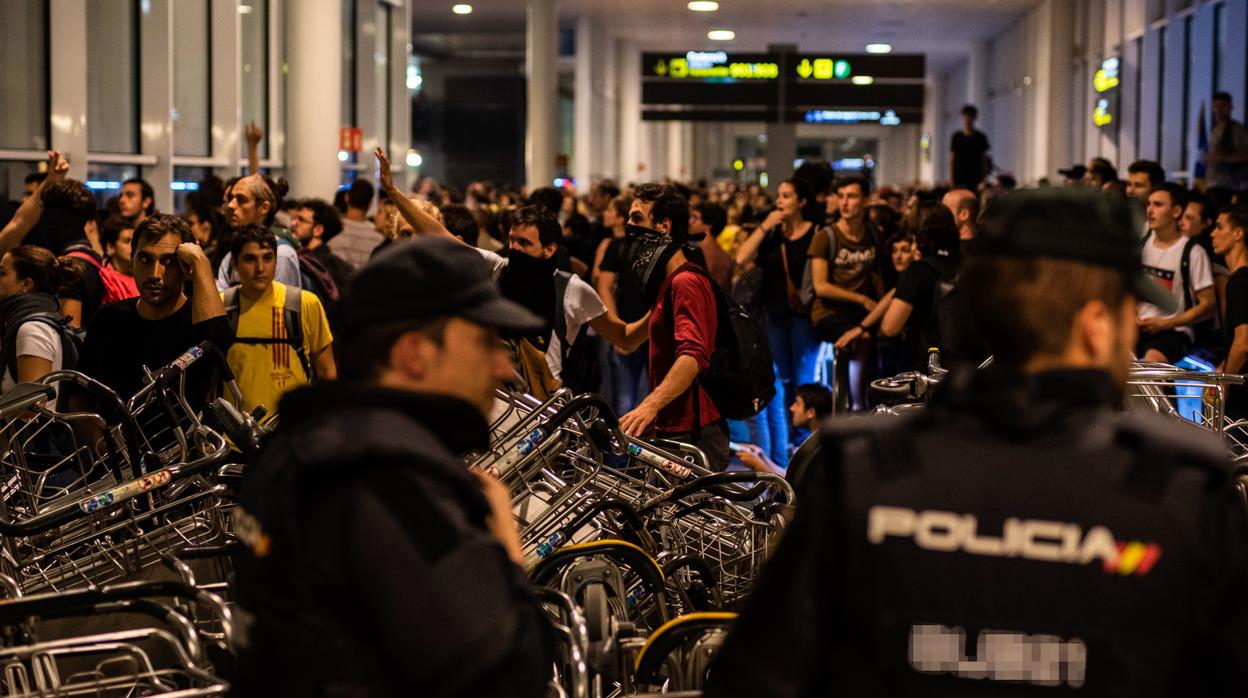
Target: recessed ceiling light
<point x="703" y="6"/>
<point x="879" y="48"/>
<point x="462" y="9"/>
<point x="862" y="79"/>
<point x="721" y="35"/>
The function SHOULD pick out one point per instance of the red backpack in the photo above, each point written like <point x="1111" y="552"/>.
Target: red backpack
<point x="116" y="286"/>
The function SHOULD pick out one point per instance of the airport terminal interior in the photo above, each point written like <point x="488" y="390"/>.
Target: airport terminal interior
<point x="593" y="349"/>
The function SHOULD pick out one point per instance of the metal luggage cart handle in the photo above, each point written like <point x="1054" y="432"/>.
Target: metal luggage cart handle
<point x="714" y="484"/>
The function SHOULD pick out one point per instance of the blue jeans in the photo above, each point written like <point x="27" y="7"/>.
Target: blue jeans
<point x="630" y="381"/>
<point x="769" y="429"/>
<point x="794" y="349"/>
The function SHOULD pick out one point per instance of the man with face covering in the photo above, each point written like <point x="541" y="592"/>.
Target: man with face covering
<point x="683" y="322"/>
<point x="1021" y="535"/>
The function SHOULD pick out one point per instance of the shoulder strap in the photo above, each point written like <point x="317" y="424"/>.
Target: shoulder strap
<point x="563" y="279"/>
<point x="86" y="256"/>
<point x="1185" y="265"/>
<point x="292" y="311"/>
<point x="230" y="300"/>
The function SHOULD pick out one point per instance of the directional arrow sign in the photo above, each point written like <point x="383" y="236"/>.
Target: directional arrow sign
<point x="661" y="68"/>
<point x="804" y="68"/>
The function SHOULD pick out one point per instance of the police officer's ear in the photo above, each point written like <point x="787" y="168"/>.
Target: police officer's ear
<point x="1094" y="335"/>
<point x="412" y="356"/>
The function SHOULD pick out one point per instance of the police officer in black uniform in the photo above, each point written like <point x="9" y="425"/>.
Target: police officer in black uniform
<point x="377" y="564"/>
<point x="1023" y="536"/>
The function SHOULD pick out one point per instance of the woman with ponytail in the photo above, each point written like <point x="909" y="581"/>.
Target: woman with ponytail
<point x="31" y="324"/>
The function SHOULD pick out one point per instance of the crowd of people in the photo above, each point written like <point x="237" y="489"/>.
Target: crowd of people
<point x="850" y="281"/>
<point x="379" y="322"/>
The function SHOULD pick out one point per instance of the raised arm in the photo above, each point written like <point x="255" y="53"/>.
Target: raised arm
<point x="421" y="222"/>
<point x="32" y="208"/>
<point x="254" y="135"/>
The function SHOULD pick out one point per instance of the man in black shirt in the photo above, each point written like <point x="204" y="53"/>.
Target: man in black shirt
<point x="155" y="328"/>
<point x="916" y="308"/>
<point x="1228" y="241"/>
<point x="968" y="153"/>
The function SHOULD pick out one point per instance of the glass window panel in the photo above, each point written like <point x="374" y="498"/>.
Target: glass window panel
<point x="23" y="91"/>
<point x="112" y="76"/>
<point x="348" y="63"/>
<point x="185" y="181"/>
<point x="1219" y="44"/>
<point x="192" y="57"/>
<point x="254" y="37"/>
<point x="382" y="71"/>
<point x="13" y="183"/>
<point x="104" y="181"/>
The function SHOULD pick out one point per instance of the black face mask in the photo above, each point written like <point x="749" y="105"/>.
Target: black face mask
<point x="646" y="254"/>
<point x="530" y="281"/>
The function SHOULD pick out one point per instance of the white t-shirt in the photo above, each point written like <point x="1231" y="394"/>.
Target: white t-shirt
<point x="580" y="305"/>
<point x="35" y="339"/>
<point x="1165" y="265"/>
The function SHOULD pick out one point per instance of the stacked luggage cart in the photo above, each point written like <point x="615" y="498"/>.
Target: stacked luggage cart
<point x="114" y="538"/>
<point x="639" y="550"/>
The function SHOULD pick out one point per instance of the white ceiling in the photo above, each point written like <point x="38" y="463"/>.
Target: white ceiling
<point x="942" y="29"/>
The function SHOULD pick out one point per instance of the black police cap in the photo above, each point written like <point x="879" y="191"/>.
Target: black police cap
<point x="426" y="279"/>
<point x="1072" y="223"/>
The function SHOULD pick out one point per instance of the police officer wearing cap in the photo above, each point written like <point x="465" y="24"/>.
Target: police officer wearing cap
<point x="1022" y="536"/>
<point x="376" y="563"/>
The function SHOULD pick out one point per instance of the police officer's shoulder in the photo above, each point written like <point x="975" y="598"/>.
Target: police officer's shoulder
<point x="1181" y="443"/>
<point x="854" y="438"/>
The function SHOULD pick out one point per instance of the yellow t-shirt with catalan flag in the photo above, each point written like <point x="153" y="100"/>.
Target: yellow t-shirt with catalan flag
<point x="266" y="371"/>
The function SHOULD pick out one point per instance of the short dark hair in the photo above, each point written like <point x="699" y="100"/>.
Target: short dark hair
<point x="667" y="205"/>
<point x="70" y="196"/>
<point x="548" y="198"/>
<point x="1156" y="175"/>
<point x="608" y="187"/>
<point x="579" y="226"/>
<point x="1178" y="195"/>
<point x="457" y="219"/>
<point x="714" y="216"/>
<point x="252" y="233"/>
<point x="934" y="229"/>
<point x="1208" y="211"/>
<point x="817" y="397"/>
<point x="621" y="203"/>
<point x="325" y="216"/>
<point x="366" y="349"/>
<point x="360" y="195"/>
<point x="1103" y="169"/>
<point x="156" y="227"/>
<point x="145" y="192"/>
<point x="1222" y="96"/>
<point x="548" y="230"/>
<point x="1236" y="216"/>
<point x="850" y="180"/>
<point x="111" y="230"/>
<point x="35" y="177"/>
<point x="970" y="110"/>
<point x="1024" y="307"/>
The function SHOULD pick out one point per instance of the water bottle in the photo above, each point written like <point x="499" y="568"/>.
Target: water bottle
<point x="933" y="362"/>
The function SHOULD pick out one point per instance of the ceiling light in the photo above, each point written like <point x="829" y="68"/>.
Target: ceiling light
<point x="414" y="159"/>
<point x="879" y="48"/>
<point x="703" y="6"/>
<point x="721" y="35"/>
<point x="862" y="79"/>
<point x="463" y="9"/>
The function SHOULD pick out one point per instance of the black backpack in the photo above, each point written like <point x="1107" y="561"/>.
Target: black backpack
<point x="741" y="379"/>
<point x="72" y="339"/>
<point x="318" y="279"/>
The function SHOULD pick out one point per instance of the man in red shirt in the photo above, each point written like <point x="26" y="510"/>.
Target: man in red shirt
<point x="683" y="325"/>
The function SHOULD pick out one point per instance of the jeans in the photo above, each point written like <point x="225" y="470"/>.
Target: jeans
<point x="630" y="382"/>
<point x="794" y="349"/>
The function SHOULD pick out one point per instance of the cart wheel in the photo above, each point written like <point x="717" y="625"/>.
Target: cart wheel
<point x="597" y="612"/>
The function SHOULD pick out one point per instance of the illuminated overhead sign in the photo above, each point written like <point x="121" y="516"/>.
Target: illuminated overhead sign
<point x="888" y="117"/>
<point x="712" y="65"/>
<point x="782" y="87"/>
<point x="824" y="69"/>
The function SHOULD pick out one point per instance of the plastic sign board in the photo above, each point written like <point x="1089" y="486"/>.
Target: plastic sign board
<point x="1106" y="78"/>
<point x="711" y="65"/>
